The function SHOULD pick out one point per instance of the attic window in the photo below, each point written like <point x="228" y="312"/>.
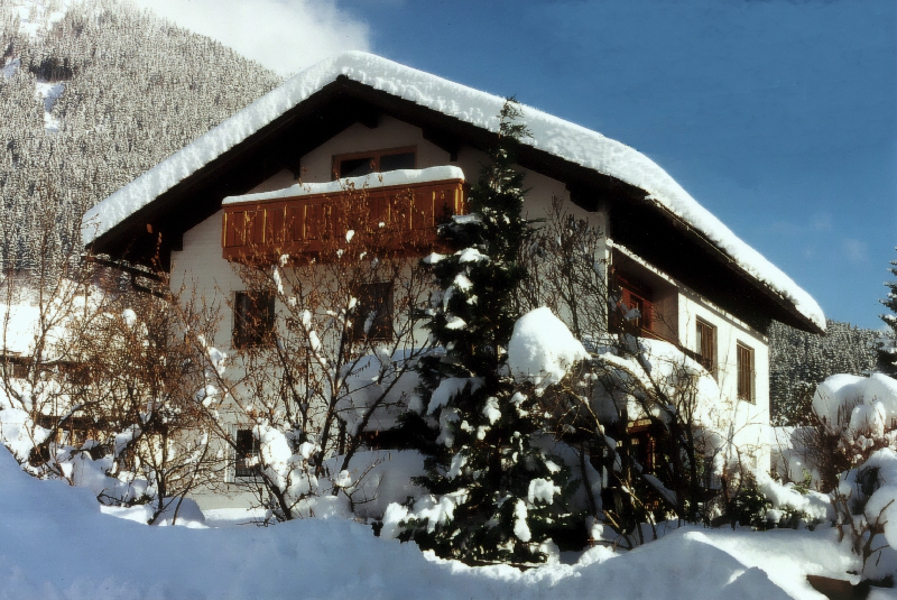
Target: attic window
<point x="376" y="161"/>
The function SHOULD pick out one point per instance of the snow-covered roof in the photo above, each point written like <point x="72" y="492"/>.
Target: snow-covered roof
<point x="400" y="177"/>
<point x="556" y="136"/>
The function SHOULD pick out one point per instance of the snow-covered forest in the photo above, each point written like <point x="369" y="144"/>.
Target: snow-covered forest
<point x="512" y="471"/>
<point x="800" y="361"/>
<point x="93" y="94"/>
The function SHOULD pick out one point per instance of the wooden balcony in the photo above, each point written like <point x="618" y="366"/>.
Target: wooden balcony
<point x="397" y="219"/>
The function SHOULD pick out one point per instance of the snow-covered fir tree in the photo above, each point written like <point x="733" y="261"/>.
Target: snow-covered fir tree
<point x="887" y="349"/>
<point x="496" y="494"/>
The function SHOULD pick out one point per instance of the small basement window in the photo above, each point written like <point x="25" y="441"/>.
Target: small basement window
<point x="253" y="319"/>
<point x="377" y="161"/>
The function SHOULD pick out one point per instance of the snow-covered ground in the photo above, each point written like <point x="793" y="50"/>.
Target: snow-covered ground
<point x="48" y="93"/>
<point x="37" y="17"/>
<point x="56" y="543"/>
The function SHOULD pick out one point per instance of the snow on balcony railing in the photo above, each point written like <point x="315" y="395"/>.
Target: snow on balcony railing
<point x="398" y="211"/>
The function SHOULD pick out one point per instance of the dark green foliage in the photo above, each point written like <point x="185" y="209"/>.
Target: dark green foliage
<point x="496" y="229"/>
<point x="751" y="508"/>
<point x="887" y="349"/>
<point x="486" y="457"/>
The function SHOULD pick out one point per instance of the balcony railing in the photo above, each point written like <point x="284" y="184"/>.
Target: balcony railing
<point x="396" y="218"/>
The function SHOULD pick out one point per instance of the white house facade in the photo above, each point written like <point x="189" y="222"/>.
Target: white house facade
<point x="696" y="284"/>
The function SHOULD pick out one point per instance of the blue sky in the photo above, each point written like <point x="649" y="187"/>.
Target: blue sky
<point x="780" y="116"/>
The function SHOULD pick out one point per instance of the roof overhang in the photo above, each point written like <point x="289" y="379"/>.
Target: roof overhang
<point x="149" y="233"/>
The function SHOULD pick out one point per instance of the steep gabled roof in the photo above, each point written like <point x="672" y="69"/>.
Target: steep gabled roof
<point x="557" y="147"/>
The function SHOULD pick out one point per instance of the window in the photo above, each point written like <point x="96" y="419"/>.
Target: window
<point x="745" y="366"/>
<point x="633" y="296"/>
<point x="253" y="319"/>
<point x="247" y="452"/>
<point x="643" y="439"/>
<point x="373" y="317"/>
<point x="705" y="342"/>
<point x="16" y="368"/>
<point x="377" y="161"/>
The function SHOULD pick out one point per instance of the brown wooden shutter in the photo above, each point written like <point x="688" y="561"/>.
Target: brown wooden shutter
<point x="745" y="364"/>
<point x="706" y="345"/>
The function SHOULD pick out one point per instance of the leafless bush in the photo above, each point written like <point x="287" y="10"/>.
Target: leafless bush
<point x="326" y="344"/>
<point x="651" y="419"/>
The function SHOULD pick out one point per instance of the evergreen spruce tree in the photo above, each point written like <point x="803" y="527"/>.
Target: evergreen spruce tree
<point x="887" y="350"/>
<point x="497" y="495"/>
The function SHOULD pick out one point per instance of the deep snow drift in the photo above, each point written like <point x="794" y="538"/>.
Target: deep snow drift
<point x="55" y="543"/>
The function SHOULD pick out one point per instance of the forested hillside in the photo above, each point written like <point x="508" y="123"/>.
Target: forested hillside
<point x="798" y="361"/>
<point x="92" y="94"/>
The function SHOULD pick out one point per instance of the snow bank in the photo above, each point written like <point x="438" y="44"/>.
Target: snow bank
<point x="387" y="379"/>
<point x="814" y="506"/>
<point x="20" y="320"/>
<point x="20" y="327"/>
<point x="857" y="404"/>
<point x="379" y="478"/>
<point x="55" y="542"/>
<point x="858" y="421"/>
<point x="372" y="181"/>
<point x="19" y="433"/>
<point x="881" y="505"/>
<point x="788" y="458"/>
<point x="542" y="349"/>
<point x="868" y="501"/>
<point x="551" y="134"/>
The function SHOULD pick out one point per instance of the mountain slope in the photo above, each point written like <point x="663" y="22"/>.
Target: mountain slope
<point x="92" y="94"/>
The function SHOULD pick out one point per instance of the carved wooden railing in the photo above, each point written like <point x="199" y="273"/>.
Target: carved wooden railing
<point x="400" y="218"/>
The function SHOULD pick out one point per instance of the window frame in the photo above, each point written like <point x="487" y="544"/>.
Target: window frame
<point x="375" y="156"/>
<point x="633" y="295"/>
<point x="241" y="473"/>
<point x="246" y="333"/>
<point x="745" y="372"/>
<point x="382" y="327"/>
<point x="707" y="359"/>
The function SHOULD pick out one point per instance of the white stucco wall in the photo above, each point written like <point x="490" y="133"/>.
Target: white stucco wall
<point x="750" y="419"/>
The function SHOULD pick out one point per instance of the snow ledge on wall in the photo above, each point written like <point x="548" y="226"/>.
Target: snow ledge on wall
<point x="561" y="138"/>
